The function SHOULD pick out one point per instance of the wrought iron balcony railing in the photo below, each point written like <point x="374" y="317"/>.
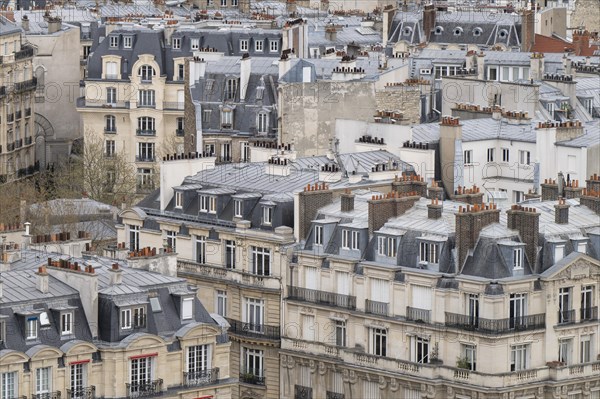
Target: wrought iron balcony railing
<point x="499" y="326"/>
<point x="179" y="132"/>
<point x="82" y="393"/>
<point x="173" y="105"/>
<point x="374" y="307"/>
<point x="201" y="377"/>
<point x="566" y="316"/>
<point x="322" y="297"/>
<point x="47" y="395"/>
<point x="144" y="158"/>
<point x="146" y="132"/>
<point x="588" y="314"/>
<point x="254" y="330"/>
<point x="419" y="315"/>
<point x="25" y="52"/>
<point x="253" y="376"/>
<point x="25" y="85"/>
<point x="144" y="389"/>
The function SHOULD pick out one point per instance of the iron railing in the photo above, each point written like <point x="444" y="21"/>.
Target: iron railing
<point x="25" y="85"/>
<point x="179" y="132"/>
<point x="47" y="395"/>
<point x="144" y="389"/>
<point x="173" y="105"/>
<point x="25" y="52"/>
<point x="498" y="326"/>
<point x="374" y="307"/>
<point x="254" y="329"/>
<point x="566" y="316"/>
<point x="588" y="314"/>
<point x="201" y="377"/>
<point x="418" y="315"/>
<point x="322" y="297"/>
<point x="146" y="132"/>
<point x="144" y="158"/>
<point x="334" y="395"/>
<point x="253" y="376"/>
<point x="82" y="393"/>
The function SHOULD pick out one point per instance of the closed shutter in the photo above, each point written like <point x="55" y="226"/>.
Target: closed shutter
<point x="421" y="297"/>
<point x="310" y="274"/>
<point x="343" y="283"/>
<point x="380" y="291"/>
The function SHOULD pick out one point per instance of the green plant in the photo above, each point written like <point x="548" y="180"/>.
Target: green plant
<point x="463" y="363"/>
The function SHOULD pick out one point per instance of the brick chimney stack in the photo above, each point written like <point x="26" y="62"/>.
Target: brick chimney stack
<point x="435" y="191"/>
<point x="471" y="196"/>
<point x="42" y="283"/>
<point x="434" y="209"/>
<point x="469" y="223"/>
<point x="347" y="201"/>
<point x="313" y="198"/>
<point x="527" y="30"/>
<point x="549" y="190"/>
<point x="409" y="184"/>
<point x="527" y="222"/>
<point x="561" y="212"/>
<point x="429" y="17"/>
<point x="450" y="146"/>
<point x="384" y="207"/>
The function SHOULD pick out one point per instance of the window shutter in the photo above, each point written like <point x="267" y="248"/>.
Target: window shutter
<point x="421" y="297"/>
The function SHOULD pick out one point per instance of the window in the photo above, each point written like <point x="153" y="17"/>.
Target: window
<point x="204" y="203"/>
<point x="155" y="304"/>
<point x="378" y="342"/>
<point x="176" y="43"/>
<point x="505" y="155"/>
<point x="178" y="199"/>
<point x="420" y="350"/>
<point x="195" y="44"/>
<point x="180" y="72"/>
<point x="386" y="246"/>
<point x="261" y="261"/>
<point x="109" y="148"/>
<point x="208" y="204"/>
<point x="221" y="307"/>
<point x="470" y="355"/>
<point x="551" y="107"/>
<point x="8" y="385"/>
<point x="187" y="308"/>
<point x="244" y="45"/>
<point x="254" y="317"/>
<point x="340" y="333"/>
<point x="223" y="3"/>
<point x="473" y="309"/>
<point x="198" y="360"/>
<point x="141" y="374"/>
<point x="519" y="196"/>
<point x="230" y="89"/>
<point x="206" y="115"/>
<point x="145" y="152"/>
<point x="146" y="126"/>
<point x="428" y="252"/>
<point x="172" y="240"/>
<point x="519" y="357"/>
<point x="490" y="154"/>
<point x="209" y="150"/>
<point x="245" y="150"/>
<point x="77" y="376"/>
<point x="253" y="362"/>
<point x="43" y="380"/>
<point x="234" y="3"/>
<point x="111" y="124"/>
<point x="564" y="305"/>
<point x="111" y="95"/>
<point x="564" y="350"/>
<point x="559" y="252"/>
<point x="146" y="98"/>
<point x="201" y="249"/>
<point x="308" y="327"/>
<point x="524" y="157"/>
<point x="125" y="319"/>
<point x="371" y="390"/>
<point x="261" y="122"/>
<point x="139" y="317"/>
<point x="517" y="310"/>
<point x="66" y="323"/>
<point x="274" y="46"/>
<point x="180" y="126"/>
<point x="588" y="312"/>
<point x="114" y="41"/>
<point x="318" y="235"/>
<point x="468" y="157"/>
<point x="134" y="238"/>
<point x="518" y="258"/>
<point x="585" y="349"/>
<point x="227" y="119"/>
<point x="267" y="215"/>
<point x="237" y="208"/>
<point x="258" y="46"/>
<point x="31" y="328"/>
<point x="146" y="72"/>
<point x="2" y="331"/>
<point x="346" y="239"/>
<point x="343" y="282"/>
<point x="127" y="40"/>
<point x="230" y="254"/>
<point x="355" y="237"/>
<point x="493" y="73"/>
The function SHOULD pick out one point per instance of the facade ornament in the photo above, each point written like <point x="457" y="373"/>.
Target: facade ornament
<point x="394" y="386"/>
<point x="322" y="368"/>
<point x="427" y="391"/>
<point x="382" y="382"/>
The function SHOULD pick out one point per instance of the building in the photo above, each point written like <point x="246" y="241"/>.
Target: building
<point x="396" y="295"/>
<point x="92" y="327"/>
<point x="18" y="84"/>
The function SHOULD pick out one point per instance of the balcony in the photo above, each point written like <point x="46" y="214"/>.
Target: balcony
<point x="378" y="308"/>
<point x="588" y="314"/>
<point x="146" y="105"/>
<point x="111" y="76"/>
<point x="101" y="103"/>
<point x="144" y="158"/>
<point x="179" y="132"/>
<point x="566" y="316"/>
<point x="322" y="297"/>
<point x="201" y="377"/>
<point x="173" y="105"/>
<point x="254" y="330"/>
<point x="27" y="112"/>
<point x="252" y="376"/>
<point x="418" y="315"/>
<point x="144" y="389"/>
<point x="47" y="395"/>
<point x="221" y="273"/>
<point x="25" y="52"/>
<point x="110" y="130"/>
<point x="499" y="326"/>
<point x="25" y="85"/>
<point x="18" y="114"/>
<point x="145" y="132"/>
<point x="334" y="395"/>
<point x="82" y="393"/>
<point x="10" y="118"/>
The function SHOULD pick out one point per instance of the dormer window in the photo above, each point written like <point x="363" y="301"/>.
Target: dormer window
<point x="187" y="308"/>
<point x="350" y="239"/>
<point x="231" y="89"/>
<point x="386" y="246"/>
<point x="146" y="72"/>
<point x="178" y="199"/>
<point x="267" y="215"/>
<point x="127" y="41"/>
<point x="407" y="31"/>
<point x="208" y="204"/>
<point x="66" y="323"/>
<point x="439" y="30"/>
<point x="114" y="41"/>
<point x="458" y="31"/>
<point x="518" y="258"/>
<point x="244" y="45"/>
<point x="262" y="122"/>
<point x="318" y="235"/>
<point x="559" y="252"/>
<point x="195" y="44"/>
<point x="226" y="119"/>
<point x="274" y="46"/>
<point x="477" y="32"/>
<point x="429" y="252"/>
<point x="237" y="208"/>
<point x="503" y="33"/>
<point x="31" y="328"/>
<point x="258" y="46"/>
<point x="176" y="43"/>
<point x="2" y="331"/>
<point x="125" y="319"/>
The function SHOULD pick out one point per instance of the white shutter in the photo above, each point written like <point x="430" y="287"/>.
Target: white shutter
<point x="380" y="291"/>
<point x="343" y="283"/>
<point x="421" y="297"/>
<point x="310" y="275"/>
<point x="411" y="394"/>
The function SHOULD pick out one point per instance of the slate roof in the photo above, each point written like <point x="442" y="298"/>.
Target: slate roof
<point x="7" y="27"/>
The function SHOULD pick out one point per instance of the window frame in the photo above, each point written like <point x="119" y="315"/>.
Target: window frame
<point x="176" y="45"/>
<point x="113" y="41"/>
<point x="318" y="235"/>
<point x="125" y="319"/>
<point x="221" y="303"/>
<point x="468" y="157"/>
<point x="273" y="46"/>
<point x="267" y="213"/>
<point x="505" y="155"/>
<point x="264" y="254"/>
<point x="238" y="208"/>
<point x="244" y="44"/>
<point x="259" y="46"/>
<point x="491" y="154"/>
<point x="31" y="328"/>
<point x="518" y="259"/>
<point x="127" y="41"/>
<point x="179" y="199"/>
<point x="69" y="323"/>
<point x="187" y="313"/>
<point x="378" y="341"/>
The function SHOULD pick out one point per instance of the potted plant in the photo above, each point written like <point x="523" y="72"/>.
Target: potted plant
<point x="463" y="363"/>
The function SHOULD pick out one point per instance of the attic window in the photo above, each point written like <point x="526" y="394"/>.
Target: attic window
<point x="178" y="199"/>
<point x="267" y="215"/>
<point x="458" y="31"/>
<point x="407" y="31"/>
<point x="195" y="44"/>
<point x="559" y="252"/>
<point x="114" y="41"/>
<point x="518" y="259"/>
<point x="155" y="305"/>
<point x="439" y="30"/>
<point x="477" y="31"/>
<point x="127" y="40"/>
<point x="503" y="33"/>
<point x="44" y="319"/>
<point x="176" y="43"/>
<point x="187" y="308"/>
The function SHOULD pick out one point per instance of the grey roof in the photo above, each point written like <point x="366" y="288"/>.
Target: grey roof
<point x="7" y="27"/>
<point x="21" y="285"/>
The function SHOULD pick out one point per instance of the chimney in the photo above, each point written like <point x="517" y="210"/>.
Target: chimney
<point x="284" y="65"/>
<point x="469" y="223"/>
<point x="197" y="68"/>
<point x="331" y="33"/>
<point x="561" y="212"/>
<point x="54" y="24"/>
<point x="25" y="23"/>
<point x="347" y="201"/>
<point x="245" y="70"/>
<point x="471" y="196"/>
<point x="527" y="30"/>
<point x="429" y="15"/>
<point x="480" y="66"/>
<point x="27" y="236"/>
<point x="435" y="191"/>
<point x="384" y="207"/>
<point x="116" y="274"/>
<point x="451" y="153"/>
<point x="434" y="210"/>
<point x="313" y="198"/>
<point x="572" y="190"/>
<point x="549" y="190"/>
<point x="527" y="222"/>
<point x="536" y="66"/>
<point x="591" y="199"/>
<point x="406" y="184"/>
<point x="42" y="280"/>
<point x="561" y="184"/>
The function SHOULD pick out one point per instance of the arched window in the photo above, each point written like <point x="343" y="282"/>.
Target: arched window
<point x="477" y="31"/>
<point x="40" y="74"/>
<point x="439" y="30"/>
<point x="110" y="124"/>
<point x="503" y="33"/>
<point x="458" y="31"/>
<point x="146" y="72"/>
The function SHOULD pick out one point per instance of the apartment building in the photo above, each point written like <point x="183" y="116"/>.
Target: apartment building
<point x="17" y="129"/>
<point x="396" y="295"/>
<point x="232" y="228"/>
<point x="92" y="327"/>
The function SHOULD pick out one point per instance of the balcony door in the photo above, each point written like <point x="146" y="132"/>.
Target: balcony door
<point x="518" y="310"/>
<point x="141" y="375"/>
<point x="473" y="309"/>
<point x="587" y="302"/>
<point x="255" y="309"/>
<point x="254" y="362"/>
<point x="564" y="305"/>
<point x="310" y="277"/>
<point x="77" y="381"/>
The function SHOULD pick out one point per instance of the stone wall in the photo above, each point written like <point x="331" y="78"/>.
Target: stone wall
<point x="586" y="14"/>
<point x="403" y="99"/>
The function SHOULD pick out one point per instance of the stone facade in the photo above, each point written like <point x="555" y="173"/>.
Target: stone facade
<point x="403" y="99"/>
<point x="586" y="13"/>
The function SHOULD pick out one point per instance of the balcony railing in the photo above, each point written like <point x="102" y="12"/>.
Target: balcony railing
<point x="18" y="114"/>
<point x="322" y="297"/>
<point x="418" y="315"/>
<point x="110" y="130"/>
<point x="566" y="316"/>
<point x="146" y="105"/>
<point x="82" y="393"/>
<point x="499" y="326"/>
<point x="146" y="132"/>
<point x="334" y="395"/>
<point x="144" y="158"/>
<point x="254" y="330"/>
<point x="173" y="105"/>
<point x="25" y="85"/>
<point x="10" y="118"/>
<point x="179" y="132"/>
<point x="201" y="377"/>
<point x="588" y="314"/>
<point x="374" y="307"/>
<point x="47" y="395"/>
<point x="253" y="376"/>
<point x="25" y="52"/>
<point x="144" y="389"/>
